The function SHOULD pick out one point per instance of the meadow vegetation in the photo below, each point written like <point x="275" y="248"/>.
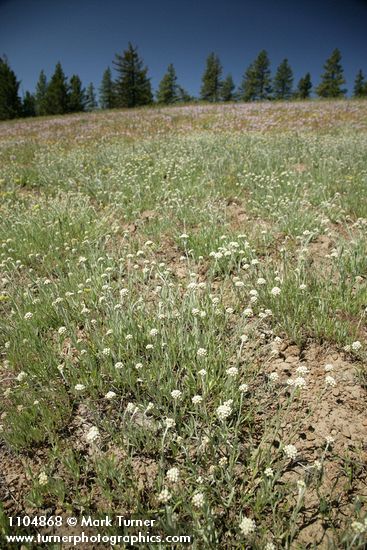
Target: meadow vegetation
<point x="183" y="309"/>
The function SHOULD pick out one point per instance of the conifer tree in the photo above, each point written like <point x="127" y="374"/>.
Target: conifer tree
<point x="304" y="87"/>
<point x="247" y="90"/>
<point x="132" y="85"/>
<point x="283" y="81"/>
<point x="211" y="81"/>
<point x="262" y="75"/>
<point x="360" y="85"/>
<point x="168" y="90"/>
<point x="106" y="91"/>
<point x="227" y="91"/>
<point x="90" y="98"/>
<point x="332" y="78"/>
<point x="256" y="83"/>
<point x="76" y="95"/>
<point x="10" y="103"/>
<point x="183" y="95"/>
<point x="57" y="100"/>
<point x="40" y="97"/>
<point x="29" y="105"/>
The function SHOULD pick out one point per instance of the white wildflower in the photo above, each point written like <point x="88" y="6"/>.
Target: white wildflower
<point x="176" y="394"/>
<point x="330" y="381"/>
<point x="275" y="291"/>
<point x="197" y="399"/>
<point x="164" y="496"/>
<point x="198" y="500"/>
<point x="247" y="526"/>
<point x="290" y="451"/>
<point x="232" y="372"/>
<point x="42" y="478"/>
<point x="170" y="422"/>
<point x="92" y="434"/>
<point x="110" y="395"/>
<point x="224" y="411"/>
<point x="173" y="475"/>
<point x="356" y="346"/>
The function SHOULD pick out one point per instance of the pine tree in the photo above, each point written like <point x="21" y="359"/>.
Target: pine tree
<point x="29" y="105"/>
<point x="57" y="100"/>
<point x="360" y="85"/>
<point x="90" y="98"/>
<point x="283" y="81"/>
<point x="168" y="90"/>
<point x="332" y="78"/>
<point x="10" y="103"/>
<point x="247" y="90"/>
<point x="304" y="87"/>
<point x="76" y="95"/>
<point x="256" y="83"/>
<point x="106" y="91"/>
<point x="227" y="91"/>
<point x="211" y="81"/>
<point x="183" y="95"/>
<point x="262" y="75"/>
<point x="132" y="85"/>
<point x="40" y="97"/>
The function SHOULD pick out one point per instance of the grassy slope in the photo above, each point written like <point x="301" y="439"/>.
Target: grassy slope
<point x="182" y="221"/>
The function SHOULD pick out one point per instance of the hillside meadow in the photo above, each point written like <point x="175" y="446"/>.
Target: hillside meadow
<point x="183" y="308"/>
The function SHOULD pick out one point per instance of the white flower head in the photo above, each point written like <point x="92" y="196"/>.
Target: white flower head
<point x="42" y="479"/>
<point x="92" y="435"/>
<point x="170" y="422"/>
<point x="197" y="399"/>
<point x="21" y="376"/>
<point x="290" y="451"/>
<point x="356" y="346"/>
<point x="275" y="291"/>
<point x="110" y="395"/>
<point x="273" y="377"/>
<point x="173" y="475"/>
<point x="330" y="381"/>
<point x="164" y="496"/>
<point x="176" y="394"/>
<point x="198" y="500"/>
<point x="247" y="526"/>
<point x="224" y="411"/>
<point x="299" y="382"/>
<point x="232" y="372"/>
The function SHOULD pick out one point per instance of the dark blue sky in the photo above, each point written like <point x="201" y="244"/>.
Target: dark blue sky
<point x="85" y="34"/>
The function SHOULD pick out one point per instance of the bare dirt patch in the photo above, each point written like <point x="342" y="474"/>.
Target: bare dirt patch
<point x="319" y="413"/>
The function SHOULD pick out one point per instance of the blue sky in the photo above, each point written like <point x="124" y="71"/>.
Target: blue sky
<point x="85" y="34"/>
